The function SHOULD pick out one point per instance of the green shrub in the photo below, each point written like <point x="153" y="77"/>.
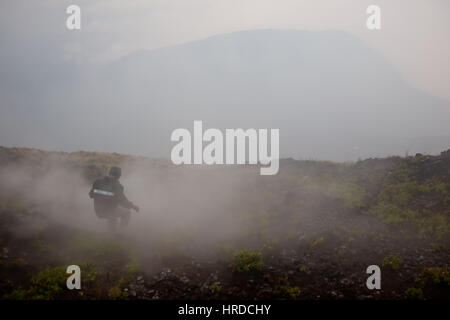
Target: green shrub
<point x="429" y="282"/>
<point x="401" y="202"/>
<point x="89" y="274"/>
<point x="434" y="276"/>
<point x="392" y="261"/>
<point x="393" y="214"/>
<point x="352" y="194"/>
<point x="215" y="288"/>
<point x="116" y="293"/>
<point x="303" y="268"/>
<point x="46" y="285"/>
<point x="286" y="291"/>
<point x="245" y="261"/>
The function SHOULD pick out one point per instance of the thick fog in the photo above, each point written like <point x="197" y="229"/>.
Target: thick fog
<point x="176" y="203"/>
<point x="332" y="95"/>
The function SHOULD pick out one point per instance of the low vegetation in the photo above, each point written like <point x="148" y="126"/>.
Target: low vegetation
<point x="307" y="233"/>
<point x="247" y="261"/>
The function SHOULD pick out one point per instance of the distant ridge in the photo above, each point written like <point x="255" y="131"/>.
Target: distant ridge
<point x="331" y="96"/>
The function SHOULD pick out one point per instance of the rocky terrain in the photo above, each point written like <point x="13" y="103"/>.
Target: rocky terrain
<point x="309" y="232"/>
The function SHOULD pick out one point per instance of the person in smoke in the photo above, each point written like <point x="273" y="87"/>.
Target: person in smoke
<point x="110" y="202"/>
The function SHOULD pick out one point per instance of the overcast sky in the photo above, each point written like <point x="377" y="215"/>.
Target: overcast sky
<point x="370" y="90"/>
<point x="414" y="34"/>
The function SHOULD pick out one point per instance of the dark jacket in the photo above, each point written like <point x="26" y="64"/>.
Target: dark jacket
<point x="106" y="205"/>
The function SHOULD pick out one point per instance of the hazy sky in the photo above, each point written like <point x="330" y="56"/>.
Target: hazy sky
<point x="336" y="82"/>
<point x="414" y="34"/>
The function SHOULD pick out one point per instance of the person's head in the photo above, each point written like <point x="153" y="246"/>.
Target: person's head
<point x="115" y="172"/>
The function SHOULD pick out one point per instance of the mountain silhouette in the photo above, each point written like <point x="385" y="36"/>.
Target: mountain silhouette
<point x="331" y="95"/>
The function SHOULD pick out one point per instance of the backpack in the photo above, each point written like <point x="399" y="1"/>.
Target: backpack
<point x="103" y="188"/>
<point x="105" y="200"/>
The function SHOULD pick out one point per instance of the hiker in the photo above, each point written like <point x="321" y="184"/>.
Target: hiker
<point x="110" y="202"/>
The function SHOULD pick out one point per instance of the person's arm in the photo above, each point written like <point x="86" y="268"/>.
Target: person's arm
<point x="124" y="202"/>
<point x="91" y="192"/>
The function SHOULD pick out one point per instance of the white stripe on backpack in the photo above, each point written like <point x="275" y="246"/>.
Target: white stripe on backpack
<point x="104" y="193"/>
